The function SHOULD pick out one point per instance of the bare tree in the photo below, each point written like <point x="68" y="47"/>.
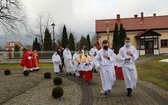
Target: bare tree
<point x="43" y="21"/>
<point x="12" y="15"/>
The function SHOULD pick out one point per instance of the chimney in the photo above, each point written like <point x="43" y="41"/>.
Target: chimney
<point x="154" y="14"/>
<point x="135" y="16"/>
<point x="142" y="17"/>
<point x="118" y="17"/>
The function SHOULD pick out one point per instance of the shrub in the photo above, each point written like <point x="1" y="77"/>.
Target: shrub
<point x="57" y="92"/>
<point x="7" y="72"/>
<point x="47" y="75"/>
<point x="57" y="80"/>
<point x="26" y="73"/>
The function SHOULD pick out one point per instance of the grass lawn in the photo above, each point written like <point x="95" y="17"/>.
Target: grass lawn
<point x="15" y="66"/>
<point x="154" y="71"/>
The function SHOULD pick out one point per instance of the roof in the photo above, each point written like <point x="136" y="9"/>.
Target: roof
<point x="15" y="43"/>
<point x="147" y="33"/>
<point x="135" y="23"/>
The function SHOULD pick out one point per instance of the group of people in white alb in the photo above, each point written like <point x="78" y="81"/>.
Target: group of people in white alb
<point x="102" y="61"/>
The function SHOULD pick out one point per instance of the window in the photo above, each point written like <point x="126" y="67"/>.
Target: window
<point x="12" y="44"/>
<point x="142" y="41"/>
<point x="155" y="42"/>
<point x="164" y="43"/>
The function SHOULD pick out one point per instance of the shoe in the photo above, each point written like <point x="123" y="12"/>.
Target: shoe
<point x="74" y="75"/>
<point x="87" y="83"/>
<point x="105" y="94"/>
<point x="56" y="73"/>
<point x="67" y="74"/>
<point x="129" y="90"/>
<point x="70" y="73"/>
<point x="95" y="71"/>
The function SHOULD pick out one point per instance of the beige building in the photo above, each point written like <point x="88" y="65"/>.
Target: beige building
<point x="148" y="34"/>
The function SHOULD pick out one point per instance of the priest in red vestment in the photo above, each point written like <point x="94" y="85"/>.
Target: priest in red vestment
<point x="35" y="60"/>
<point x="26" y="61"/>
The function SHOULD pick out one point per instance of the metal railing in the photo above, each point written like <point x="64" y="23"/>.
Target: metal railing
<point x="18" y="55"/>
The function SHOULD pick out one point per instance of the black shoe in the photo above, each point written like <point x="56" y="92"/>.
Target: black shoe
<point x="105" y="94"/>
<point x="87" y="83"/>
<point x="67" y="74"/>
<point x="70" y="73"/>
<point x="56" y="73"/>
<point x="129" y="90"/>
<point x="95" y="71"/>
<point x="74" y="75"/>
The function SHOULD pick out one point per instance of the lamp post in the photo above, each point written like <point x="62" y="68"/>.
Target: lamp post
<point x="53" y="25"/>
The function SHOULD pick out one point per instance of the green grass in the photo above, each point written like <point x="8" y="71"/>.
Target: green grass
<point x="154" y="71"/>
<point x="141" y="57"/>
<point x="16" y="66"/>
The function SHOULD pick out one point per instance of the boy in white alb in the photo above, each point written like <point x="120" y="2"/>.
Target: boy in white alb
<point x="56" y="62"/>
<point x="76" y="54"/>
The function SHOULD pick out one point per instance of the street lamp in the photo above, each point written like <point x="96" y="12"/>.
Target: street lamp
<point x="53" y="25"/>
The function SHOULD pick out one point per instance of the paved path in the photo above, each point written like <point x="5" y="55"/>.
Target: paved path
<point x="141" y="95"/>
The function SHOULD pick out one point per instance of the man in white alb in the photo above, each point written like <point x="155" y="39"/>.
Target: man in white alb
<point x="93" y="52"/>
<point x="127" y="55"/>
<point x="104" y="61"/>
<point x="68" y="60"/>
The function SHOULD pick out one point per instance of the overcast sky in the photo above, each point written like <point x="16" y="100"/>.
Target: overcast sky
<point x="79" y="15"/>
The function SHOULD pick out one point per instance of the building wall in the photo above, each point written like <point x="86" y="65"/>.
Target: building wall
<point x="131" y="35"/>
<point x="104" y="37"/>
<point x="164" y="35"/>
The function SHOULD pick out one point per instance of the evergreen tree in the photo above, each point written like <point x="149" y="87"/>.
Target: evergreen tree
<point x="71" y="42"/>
<point x="36" y="45"/>
<point x="16" y="50"/>
<point x="48" y="45"/>
<point x="88" y="42"/>
<point x="116" y="39"/>
<point x="64" y="37"/>
<point x="122" y="35"/>
<point x="82" y="42"/>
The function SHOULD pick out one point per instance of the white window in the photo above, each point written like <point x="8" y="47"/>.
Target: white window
<point x="12" y="44"/>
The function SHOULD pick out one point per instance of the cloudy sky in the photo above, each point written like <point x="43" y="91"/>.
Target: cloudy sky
<point x="79" y="15"/>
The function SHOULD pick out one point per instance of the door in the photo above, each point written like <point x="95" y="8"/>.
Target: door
<point x="148" y="47"/>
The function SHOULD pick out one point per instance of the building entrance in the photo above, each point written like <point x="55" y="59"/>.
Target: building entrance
<point x="149" y="47"/>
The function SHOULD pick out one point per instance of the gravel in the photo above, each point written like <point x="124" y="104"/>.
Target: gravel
<point x="17" y="89"/>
